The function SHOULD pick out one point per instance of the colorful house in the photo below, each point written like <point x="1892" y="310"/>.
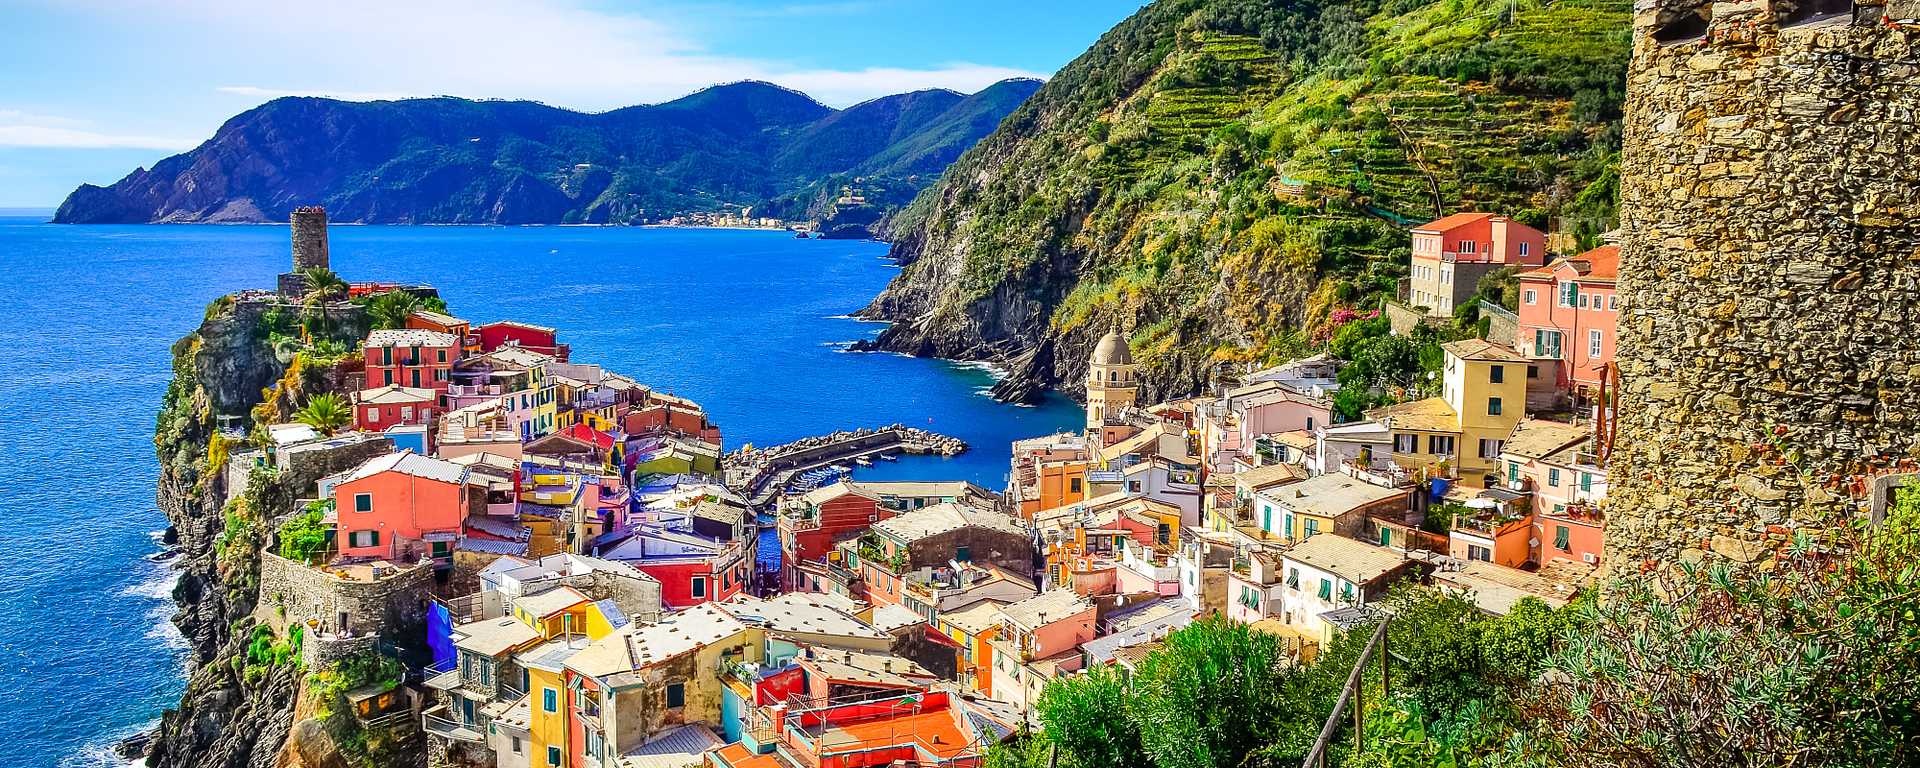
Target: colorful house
<point x="811" y="525"/>
<point x="1492" y="536"/>
<point x="1326" y="573"/>
<point x="1451" y="254"/>
<point x="411" y="358"/>
<point x="401" y="507"/>
<point x="1048" y="472"/>
<point x="1337" y="504"/>
<point x="424" y="320"/>
<point x="1483" y="395"/>
<point x="374" y="410"/>
<point x="691" y="569"/>
<point x="538" y="339"/>
<point x="921" y="546"/>
<point x="1039" y="640"/>
<point x="1568" y="314"/>
<point x="628" y="687"/>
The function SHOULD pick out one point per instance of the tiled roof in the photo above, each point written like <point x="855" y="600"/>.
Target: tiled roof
<point x="1449" y="222"/>
<point x="1481" y="349"/>
<point x="1352" y="560"/>
<point x="800" y="612"/>
<point x="1599" y="264"/>
<point x="1049" y="606"/>
<point x="927" y="522"/>
<point x="891" y="616"/>
<point x="550" y="602"/>
<point x="975" y="618"/>
<point x="407" y="337"/>
<point x="1430" y="415"/>
<point x="1539" y="438"/>
<point x="437" y="318"/>
<point x="394" y="394"/>
<point x="409" y="463"/>
<point x="1330" y="495"/>
<point x="492" y="637"/>
<point x="636" y="647"/>
<point x="1259" y="478"/>
<point x="675" y="748"/>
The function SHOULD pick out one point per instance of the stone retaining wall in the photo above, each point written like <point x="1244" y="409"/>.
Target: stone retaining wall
<point x="394" y="606"/>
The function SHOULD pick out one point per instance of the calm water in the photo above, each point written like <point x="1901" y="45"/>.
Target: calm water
<point x="748" y="323"/>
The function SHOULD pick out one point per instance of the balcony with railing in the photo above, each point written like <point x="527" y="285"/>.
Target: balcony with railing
<point x="440" y="721"/>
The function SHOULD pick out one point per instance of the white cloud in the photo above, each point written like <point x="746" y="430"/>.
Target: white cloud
<point x="24" y="129"/>
<point x="555" y="51"/>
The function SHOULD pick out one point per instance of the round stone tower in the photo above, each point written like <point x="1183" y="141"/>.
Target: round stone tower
<point x="1770" y="270"/>
<point x="309" y="238"/>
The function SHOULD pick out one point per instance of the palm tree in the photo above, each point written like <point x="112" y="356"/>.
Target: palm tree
<point x="326" y="412"/>
<point x="322" y="284"/>
<point x="390" y="310"/>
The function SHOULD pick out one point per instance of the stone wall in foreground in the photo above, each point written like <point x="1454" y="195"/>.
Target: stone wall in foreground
<point x="1770" y="200"/>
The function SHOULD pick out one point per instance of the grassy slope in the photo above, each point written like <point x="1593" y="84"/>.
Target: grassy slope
<point x="1156" y="157"/>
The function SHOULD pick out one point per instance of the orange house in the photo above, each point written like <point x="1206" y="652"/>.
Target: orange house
<point x="1451" y="254"/>
<point x="401" y="507"/>
<point x="1494" y="538"/>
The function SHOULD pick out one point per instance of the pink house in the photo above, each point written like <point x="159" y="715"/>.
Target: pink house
<point x="1039" y="639"/>
<point x="1451" y="254"/>
<point x="374" y="410"/>
<point x="401" y="507"/>
<point x="1568" y="311"/>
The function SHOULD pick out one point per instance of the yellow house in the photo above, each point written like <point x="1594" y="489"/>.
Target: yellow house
<point x="643" y="679"/>
<point x="561" y="612"/>
<point x="1483" y="394"/>
<point x="545" y="668"/>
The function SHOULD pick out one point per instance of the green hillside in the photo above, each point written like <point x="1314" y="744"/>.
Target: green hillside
<point x="1219" y="175"/>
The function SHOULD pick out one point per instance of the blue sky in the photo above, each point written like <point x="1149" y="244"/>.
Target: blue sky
<point x="94" y="88"/>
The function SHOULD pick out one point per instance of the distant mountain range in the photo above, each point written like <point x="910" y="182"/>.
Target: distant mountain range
<point x="449" y="160"/>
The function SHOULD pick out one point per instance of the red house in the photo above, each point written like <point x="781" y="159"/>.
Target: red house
<point x="1451" y="254"/>
<point x="533" y="338"/>
<point x="410" y="357"/>
<point x="822" y="518"/>
<point x="691" y="569"/>
<point x="1568" y="312"/>
<point x="424" y="320"/>
<point x="376" y="409"/>
<point x="400" y="507"/>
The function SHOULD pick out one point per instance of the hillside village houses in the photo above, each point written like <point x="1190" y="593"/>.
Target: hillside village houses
<point x="585" y="575"/>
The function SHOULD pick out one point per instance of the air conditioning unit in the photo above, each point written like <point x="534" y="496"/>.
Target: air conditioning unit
<point x="1589" y="557"/>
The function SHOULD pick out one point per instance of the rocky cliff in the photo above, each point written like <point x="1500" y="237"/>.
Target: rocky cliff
<point x="449" y="160"/>
<point x="243" y="693"/>
<point x="1218" y="177"/>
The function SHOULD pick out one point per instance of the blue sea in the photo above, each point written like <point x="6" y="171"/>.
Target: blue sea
<point x="751" y="324"/>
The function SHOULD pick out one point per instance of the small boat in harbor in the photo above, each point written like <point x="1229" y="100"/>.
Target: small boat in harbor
<point x="863" y="461"/>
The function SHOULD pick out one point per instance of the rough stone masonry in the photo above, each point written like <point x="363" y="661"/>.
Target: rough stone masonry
<point x="1770" y="197"/>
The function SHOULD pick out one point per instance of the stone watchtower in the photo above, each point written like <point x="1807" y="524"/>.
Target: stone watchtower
<point x="1110" y="379"/>
<point x="309" y="248"/>
<point x="309" y="238"/>
<point x="1770" y="270"/>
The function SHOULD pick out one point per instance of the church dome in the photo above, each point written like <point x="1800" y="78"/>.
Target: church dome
<point x="1112" y="350"/>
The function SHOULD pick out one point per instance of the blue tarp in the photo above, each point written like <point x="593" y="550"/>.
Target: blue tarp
<point x="440" y="635"/>
<point x="1438" y="490"/>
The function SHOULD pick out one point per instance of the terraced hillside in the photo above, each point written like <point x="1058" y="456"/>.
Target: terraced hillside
<point x="1219" y="176"/>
